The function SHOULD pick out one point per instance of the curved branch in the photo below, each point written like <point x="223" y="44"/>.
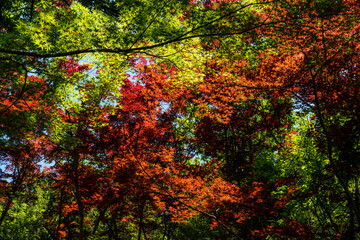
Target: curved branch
<point x="182" y="37"/>
<point x="24" y="85"/>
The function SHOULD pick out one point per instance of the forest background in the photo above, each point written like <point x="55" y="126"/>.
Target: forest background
<point x="178" y="119"/>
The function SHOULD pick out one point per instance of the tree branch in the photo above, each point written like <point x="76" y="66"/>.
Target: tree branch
<point x="24" y="85"/>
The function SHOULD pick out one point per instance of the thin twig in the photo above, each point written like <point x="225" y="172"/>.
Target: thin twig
<point x="24" y="85"/>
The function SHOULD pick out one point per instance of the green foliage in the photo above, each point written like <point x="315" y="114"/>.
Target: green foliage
<point x="25" y="218"/>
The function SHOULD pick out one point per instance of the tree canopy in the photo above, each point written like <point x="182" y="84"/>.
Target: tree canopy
<point x="211" y="119"/>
